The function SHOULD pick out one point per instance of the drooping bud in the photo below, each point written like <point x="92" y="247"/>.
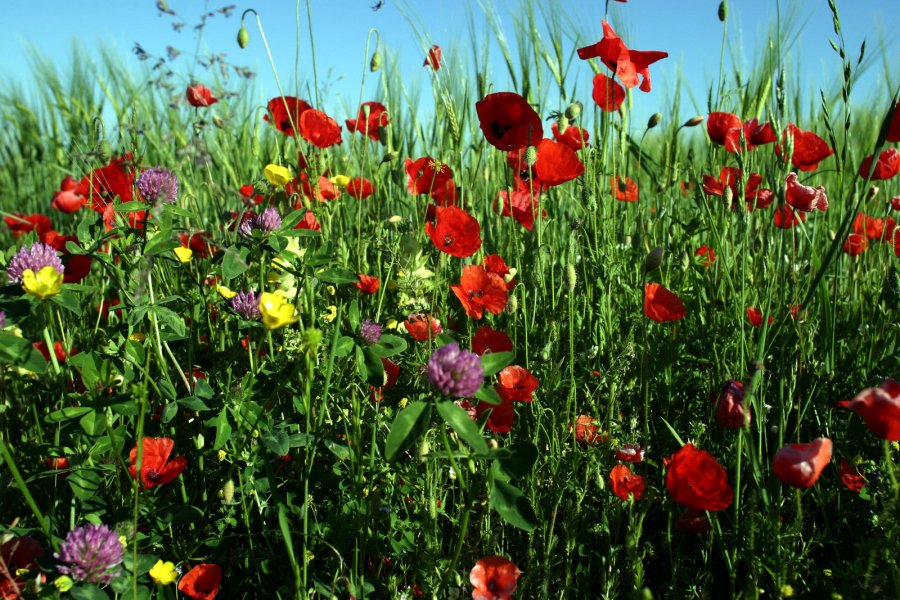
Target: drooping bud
<point x="562" y="124"/>
<point x="375" y="63"/>
<point x="693" y="121"/>
<point x="390" y="156"/>
<point x="530" y="156"/>
<point x="654" y="259"/>
<point x="573" y="111"/>
<point x="654" y="120"/>
<point x="243" y="37"/>
<point x="512" y="305"/>
<point x="723" y="10"/>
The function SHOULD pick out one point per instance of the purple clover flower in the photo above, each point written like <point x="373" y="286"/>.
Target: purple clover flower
<point x="369" y="332"/>
<point x="454" y="372"/>
<point x="2" y="319"/>
<point x="34" y="258"/>
<point x="158" y="184"/>
<point x="91" y="553"/>
<point x="266" y="222"/>
<point x="246" y="304"/>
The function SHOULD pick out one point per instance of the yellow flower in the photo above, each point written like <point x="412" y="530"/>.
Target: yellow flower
<point x="340" y="180"/>
<point x="137" y="336"/>
<point x="163" y="573"/>
<point x="183" y="254"/>
<point x="43" y="284"/>
<point x="225" y="292"/>
<point x="278" y="175"/>
<point x="331" y="314"/>
<point x="276" y="311"/>
<point x="124" y="541"/>
<point x="391" y="324"/>
<point x="63" y="583"/>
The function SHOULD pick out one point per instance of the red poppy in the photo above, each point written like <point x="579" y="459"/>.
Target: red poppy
<point x="731" y="413"/>
<point x="755" y="317"/>
<point x="68" y="198"/>
<point x="501" y="418"/>
<point x="54" y="239"/>
<point x="156" y="468"/>
<point x="556" y="163"/>
<point x="661" y="305"/>
<point x="508" y="121"/>
<point x="630" y="66"/>
<point x="58" y="350"/>
<point x="17" y="556"/>
<point x="20" y="224"/>
<point x="809" y="149"/>
<point x="608" y="94"/>
<point x="708" y="254"/>
<point x="200" y="244"/>
<point x="199" y="95"/>
<point x="725" y="129"/>
<point x="786" y="217"/>
<point x="521" y="203"/>
<point x="880" y="409"/>
<point x="587" y="432"/>
<point x="249" y="195"/>
<point x="730" y="178"/>
<point x="695" y="479"/>
<point x="631" y="453"/>
<point x="424" y="175"/>
<point x="422" y="327"/>
<point x="486" y="340"/>
<point x="433" y="58"/>
<point x="494" y="263"/>
<point x="322" y="191"/>
<point x="283" y="110"/>
<point x="479" y="290"/>
<point x="108" y="304"/>
<point x="856" y="244"/>
<point x="368" y="284"/>
<point x="624" y="483"/>
<point x="874" y="229"/>
<point x="574" y="137"/>
<point x="624" y="189"/>
<point x="758" y="135"/>
<point x="693" y="521"/>
<point x="799" y="465"/>
<point x="201" y="582"/>
<point x="319" y="129"/>
<point x="455" y="232"/>
<point x="308" y="221"/>
<point x="893" y="134"/>
<point x="391" y="373"/>
<point x="850" y="477"/>
<point x="372" y="116"/>
<point x="360" y="188"/>
<point x="886" y="167"/>
<point x="515" y="383"/>
<point x="803" y="197"/>
<point x="494" y="578"/>
<point x="105" y="184"/>
<point x="57" y="463"/>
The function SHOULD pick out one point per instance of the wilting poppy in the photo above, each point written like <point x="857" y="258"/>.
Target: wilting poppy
<point x="455" y="232"/>
<point x="587" y="432"/>
<point x="20" y="224"/>
<point x="661" y="305"/>
<point x="479" y="290"/>
<point x="708" y="254"/>
<point x="501" y="417"/>
<point x="809" y="149"/>
<point x="556" y="163"/>
<point x="624" y="189"/>
<point x="424" y="175"/>
<point x="433" y="58"/>
<point x="360" y="188"/>
<point x="755" y="317"/>
<point x="608" y="94"/>
<point x="200" y="95"/>
<point x="515" y="383"/>
<point x="368" y="284"/>
<point x="422" y="327"/>
<point x="630" y="66"/>
<point x="799" y="465"/>
<point x="522" y="203"/>
<point x="803" y="197"/>
<point x="695" y="479"/>
<point x="631" y="453"/>
<point x="285" y="113"/>
<point x="494" y="263"/>
<point x="508" y="121"/>
<point x="855" y="244"/>
<point x="624" y="483"/>
<point x="494" y="578"/>
<point x="202" y="582"/>
<point x="731" y="413"/>
<point x="850" y="477"/>
<point x="372" y="116"/>
<point x="156" y="468"/>
<point x="486" y="340"/>
<point x="886" y="167"/>
<point x="880" y="409"/>
<point x="693" y="521"/>
<point x="319" y="129"/>
<point x="786" y="217"/>
<point x="68" y="198"/>
<point x="574" y="137"/>
<point x="895" y="203"/>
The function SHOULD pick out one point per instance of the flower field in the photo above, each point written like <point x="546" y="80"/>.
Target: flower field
<point x="516" y="345"/>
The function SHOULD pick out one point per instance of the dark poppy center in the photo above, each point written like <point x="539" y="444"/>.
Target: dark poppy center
<point x="152" y="475"/>
<point x="286" y="125"/>
<point x="499" y="129"/>
<point x="475" y="294"/>
<point x="492" y="586"/>
<point x="448" y="241"/>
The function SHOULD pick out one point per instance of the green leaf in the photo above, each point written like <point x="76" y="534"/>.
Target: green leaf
<point x="167" y="389"/>
<point x="488" y="395"/>
<point x="133" y="206"/>
<point x="169" y="411"/>
<point x="342" y="451"/>
<point x="202" y="389"/>
<point x="67" y="413"/>
<point x="84" y="362"/>
<point x="370" y="367"/>
<point x="512" y="505"/>
<point x="494" y="362"/>
<point x="409" y="424"/>
<point x="179" y="514"/>
<point x="93" y="423"/>
<point x="443" y="339"/>
<point x="234" y="262"/>
<point x="88" y="591"/>
<point x="462" y="424"/>
<point x="516" y="462"/>
<point x="388" y="345"/>
<point x="337" y="276"/>
<point x="344" y="346"/>
<point x="353" y="315"/>
<point x="223" y="430"/>
<point x="68" y="301"/>
<point x="288" y="222"/>
<point x="277" y="442"/>
<point x="193" y="403"/>
<point x="85" y="483"/>
<point x="171" y="320"/>
<point x="161" y="243"/>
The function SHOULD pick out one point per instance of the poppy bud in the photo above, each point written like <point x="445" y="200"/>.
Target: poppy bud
<point x="723" y="10"/>
<point x="424" y="450"/>
<point x="390" y="156"/>
<point x="375" y="63"/>
<point x="563" y="124"/>
<point x="383" y="135"/>
<point x="728" y="195"/>
<point x="654" y="120"/>
<point x="571" y="277"/>
<point x="218" y="122"/>
<point x="693" y="121"/>
<point x="654" y="259"/>
<point x="873" y="191"/>
<point x="228" y="491"/>
<point x="243" y="37"/>
<point x="573" y="111"/>
<point x="685" y="261"/>
<point x="530" y="156"/>
<point x="512" y="305"/>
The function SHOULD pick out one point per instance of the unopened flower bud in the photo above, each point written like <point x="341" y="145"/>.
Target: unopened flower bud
<point x="573" y="111"/>
<point x="654" y="120"/>
<point x="530" y="156"/>
<point x="654" y="259"/>
<point x="228" y="491"/>
<point x="512" y="305"/>
<point x="243" y="37"/>
<point x="728" y="194"/>
<point x="562" y="124"/>
<point x="693" y="121"/>
<point x="375" y="63"/>
<point x="390" y="156"/>
<point x="723" y="10"/>
<point x="571" y="277"/>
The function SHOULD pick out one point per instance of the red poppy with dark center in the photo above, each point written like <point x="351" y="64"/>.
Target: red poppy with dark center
<point x="799" y="465"/>
<point x="501" y="418"/>
<point x="486" y="340"/>
<point x="587" y="431"/>
<point x="661" y="305"/>
<point x="855" y="244"/>
<point x="200" y="96"/>
<point x="786" y="217"/>
<point x="372" y="116"/>
<point x="68" y="198"/>
<point x="494" y="578"/>
<point x="508" y="121"/>
<point x="20" y="224"/>
<point x="809" y="149"/>
<point x="424" y="175"/>
<point x="368" y="284"/>
<point x="630" y="66"/>
<point x="556" y="163"/>
<point x="574" y="137"/>
<point x="758" y="135"/>
<point x="624" y="189"/>
<point x="886" y="167"/>
<point x="708" y="255"/>
<point x="455" y="232"/>
<point x="516" y="384"/>
<point x="308" y="221"/>
<point x="282" y="111"/>
<point x="156" y="468"/>
<point x="202" y="582"/>
<point x="850" y="477"/>
<point x="880" y="409"/>
<point x="608" y="94"/>
<point x="625" y="484"/>
<point x="494" y="263"/>
<point x="422" y="327"/>
<point x="755" y="317"/>
<point x="360" y="188"/>
<point x="319" y="129"/>
<point x="480" y="291"/>
<point x="433" y="58"/>
<point x="695" y="479"/>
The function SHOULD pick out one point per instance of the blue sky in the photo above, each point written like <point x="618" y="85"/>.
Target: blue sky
<point x="687" y="29"/>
